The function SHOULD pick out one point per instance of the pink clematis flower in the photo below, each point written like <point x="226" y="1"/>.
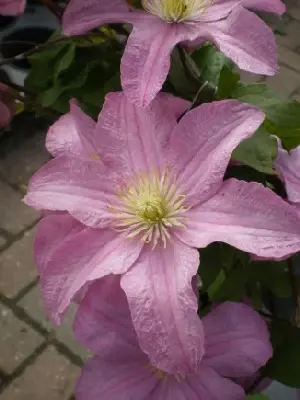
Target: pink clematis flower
<point x="237" y="32"/>
<point x="141" y="192"/>
<point x="236" y="345"/>
<point x="288" y="166"/>
<point x="7" y="106"/>
<point x="12" y="7"/>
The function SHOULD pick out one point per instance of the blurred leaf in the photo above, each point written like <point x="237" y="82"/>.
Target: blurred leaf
<point x="257" y="152"/>
<point x="271" y="274"/>
<point x="70" y="70"/>
<point x="283" y="117"/>
<point x="284" y="366"/>
<point x="258" y="397"/>
<point x="231" y="287"/>
<point x="210" y="63"/>
<point x="227" y="82"/>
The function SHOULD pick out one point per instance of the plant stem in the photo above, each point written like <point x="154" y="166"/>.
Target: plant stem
<point x="295" y="290"/>
<point x="32" y="51"/>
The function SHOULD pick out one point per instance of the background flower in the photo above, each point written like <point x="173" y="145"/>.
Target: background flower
<point x="236" y="345"/>
<point x="237" y="32"/>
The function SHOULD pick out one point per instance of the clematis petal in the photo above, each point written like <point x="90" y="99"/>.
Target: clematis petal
<point x="205" y="385"/>
<point x="87" y="256"/>
<point x="247" y="216"/>
<point x="146" y="60"/>
<point x="137" y="136"/>
<point x="72" y="134"/>
<point x="111" y="378"/>
<point x="53" y="231"/>
<point x="82" y="16"/>
<point x="202" y="143"/>
<point x="83" y="188"/>
<point x="288" y="166"/>
<point x="12" y="7"/>
<point x="239" y="37"/>
<point x="236" y="340"/>
<point x="163" y="306"/>
<point x="103" y="319"/>
<point x="220" y="9"/>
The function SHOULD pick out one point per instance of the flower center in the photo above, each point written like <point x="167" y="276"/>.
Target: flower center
<point x="177" y="10"/>
<point x="148" y="207"/>
<point x="160" y="375"/>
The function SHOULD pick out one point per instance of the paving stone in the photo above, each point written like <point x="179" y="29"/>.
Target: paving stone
<point x="15" y="215"/>
<point x="17" y="267"/>
<point x="18" y="164"/>
<point x="33" y="305"/>
<point x="292" y="37"/>
<point x="294" y="11"/>
<point x="289" y="58"/>
<point x="2" y="241"/>
<point x="284" y="83"/>
<point x="247" y="77"/>
<point x="17" y="340"/>
<point x="50" y="377"/>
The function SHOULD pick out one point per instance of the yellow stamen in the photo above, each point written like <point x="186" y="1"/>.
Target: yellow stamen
<point x="177" y="10"/>
<point x="148" y="207"/>
<point x="160" y="375"/>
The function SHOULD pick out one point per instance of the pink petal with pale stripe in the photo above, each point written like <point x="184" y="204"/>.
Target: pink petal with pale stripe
<point x="168" y="328"/>
<point x="12" y="7"/>
<point x="247" y="216"/>
<point x="89" y="255"/>
<point x="81" y="16"/>
<point x="72" y="134"/>
<point x="203" y="141"/>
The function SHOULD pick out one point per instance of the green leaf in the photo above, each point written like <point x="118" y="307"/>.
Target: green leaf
<point x="284" y="365"/>
<point x="257" y="152"/>
<point x="231" y="287"/>
<point x="227" y="82"/>
<point x="283" y="117"/>
<point x="258" y="397"/>
<point x="210" y="63"/>
<point x="271" y="274"/>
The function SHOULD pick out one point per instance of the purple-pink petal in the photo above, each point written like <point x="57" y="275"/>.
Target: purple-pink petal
<point x="236" y="340"/>
<point x="53" y="231"/>
<point x="83" y="188"/>
<point x="164" y="306"/>
<point x="89" y="255"/>
<point x="202" y="143"/>
<point x="73" y="135"/>
<point x="146" y="60"/>
<point x="247" y="216"/>
<point x="288" y="166"/>
<point x="103" y="319"/>
<point x="245" y="39"/>
<point x="81" y="16"/>
<point x="132" y="139"/>
<point x="110" y="377"/>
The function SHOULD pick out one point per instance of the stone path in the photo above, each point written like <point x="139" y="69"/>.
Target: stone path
<point x="37" y="361"/>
